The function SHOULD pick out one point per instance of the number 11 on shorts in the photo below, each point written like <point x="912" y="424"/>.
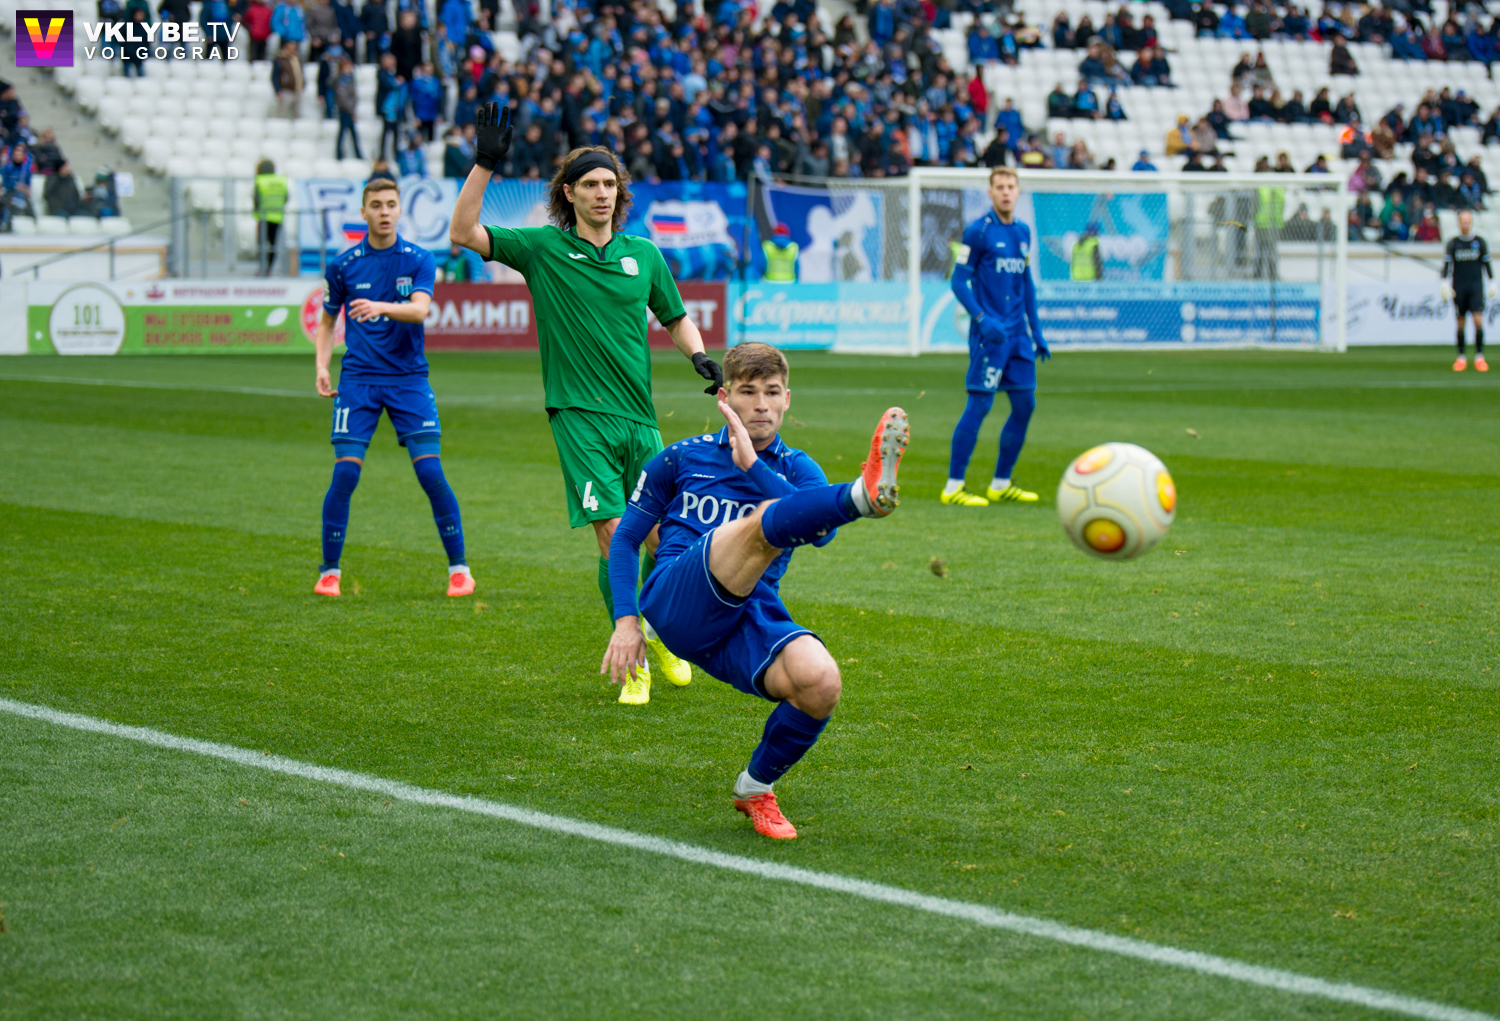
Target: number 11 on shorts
<point x="590" y="501"/>
<point x="341" y="420"/>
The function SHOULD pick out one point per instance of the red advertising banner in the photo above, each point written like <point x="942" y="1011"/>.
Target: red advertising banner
<point x="493" y="317"/>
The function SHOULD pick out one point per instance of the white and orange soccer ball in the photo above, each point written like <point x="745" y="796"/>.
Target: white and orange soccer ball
<point x="1116" y="501"/>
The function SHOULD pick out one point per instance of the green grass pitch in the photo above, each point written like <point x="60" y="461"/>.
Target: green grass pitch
<point x="1272" y="739"/>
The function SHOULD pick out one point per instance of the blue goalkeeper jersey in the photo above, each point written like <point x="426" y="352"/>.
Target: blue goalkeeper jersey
<point x="694" y="486"/>
<point x="381" y="350"/>
<point x="994" y="266"/>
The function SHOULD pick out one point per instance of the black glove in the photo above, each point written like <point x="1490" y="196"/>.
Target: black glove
<point x="492" y="139"/>
<point x="709" y="369"/>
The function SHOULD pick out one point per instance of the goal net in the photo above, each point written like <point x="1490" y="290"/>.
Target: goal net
<point x="1120" y="261"/>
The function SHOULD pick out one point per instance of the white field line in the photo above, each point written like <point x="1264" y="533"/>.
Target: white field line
<point x="1395" y="384"/>
<point x="1123" y="946"/>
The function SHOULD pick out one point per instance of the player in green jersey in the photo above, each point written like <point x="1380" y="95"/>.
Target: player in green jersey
<point x="591" y="287"/>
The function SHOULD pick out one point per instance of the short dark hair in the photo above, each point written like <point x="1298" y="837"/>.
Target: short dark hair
<point x="379" y="184"/>
<point x="561" y="211"/>
<point x="755" y="360"/>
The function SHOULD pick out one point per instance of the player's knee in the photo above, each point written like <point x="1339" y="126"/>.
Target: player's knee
<point x="815" y="678"/>
<point x="1022" y="403"/>
<point x="346" y="474"/>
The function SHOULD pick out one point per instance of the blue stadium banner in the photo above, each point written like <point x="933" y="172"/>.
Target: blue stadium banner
<point x="1132" y="232"/>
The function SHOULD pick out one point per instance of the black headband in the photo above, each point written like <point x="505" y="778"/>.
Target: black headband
<point x="590" y="161"/>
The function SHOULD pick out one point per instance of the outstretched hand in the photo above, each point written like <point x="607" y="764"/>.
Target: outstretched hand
<point x="492" y="135"/>
<point x="627" y="650"/>
<point x="709" y="370"/>
<point x="739" y="440"/>
<point x="1042" y="350"/>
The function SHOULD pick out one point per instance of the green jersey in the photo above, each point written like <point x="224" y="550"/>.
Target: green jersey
<point x="591" y="314"/>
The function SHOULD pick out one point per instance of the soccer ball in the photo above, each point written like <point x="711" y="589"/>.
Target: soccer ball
<point x="1116" y="501"/>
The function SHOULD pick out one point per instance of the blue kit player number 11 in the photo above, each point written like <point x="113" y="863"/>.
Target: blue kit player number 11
<point x="384" y="286"/>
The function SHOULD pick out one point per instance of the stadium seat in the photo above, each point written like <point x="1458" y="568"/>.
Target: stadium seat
<point x="89" y="92"/>
<point x="278" y="128"/>
<point x="50" y="224"/>
<point x="222" y="129"/>
<point x="245" y="149"/>
<point x="310" y="130"/>
<point x="23" y="225"/>
<point x="165" y="127"/>
<point x="187" y="146"/>
<point x="179" y="88"/>
<point x="251" y="128"/>
<point x="303" y="150"/>
<point x="83" y="225"/>
<point x="133" y="133"/>
<point x="156" y="152"/>
<point x="326" y="168"/>
<point x="181" y="166"/>
<point x="113" y="110"/>
<point x="114" y="225"/>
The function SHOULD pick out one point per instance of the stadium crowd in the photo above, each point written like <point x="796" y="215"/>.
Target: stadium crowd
<point x="35" y="175"/>
<point x="722" y="94"/>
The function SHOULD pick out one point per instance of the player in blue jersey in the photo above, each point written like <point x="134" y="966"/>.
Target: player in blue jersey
<point x="384" y="286"/>
<point x="731" y="508"/>
<point x="992" y="279"/>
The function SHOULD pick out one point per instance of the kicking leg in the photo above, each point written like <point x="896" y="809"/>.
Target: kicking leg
<point x="1012" y="438"/>
<point x="428" y="465"/>
<point x="336" y="521"/>
<point x="965" y="437"/>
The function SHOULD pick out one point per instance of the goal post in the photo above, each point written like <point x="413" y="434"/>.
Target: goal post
<point x="1186" y="260"/>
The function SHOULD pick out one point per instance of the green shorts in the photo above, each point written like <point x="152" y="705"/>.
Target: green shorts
<point x="602" y="457"/>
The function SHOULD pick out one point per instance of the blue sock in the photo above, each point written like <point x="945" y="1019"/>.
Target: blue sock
<point x="966" y="433"/>
<point x="1013" y="433"/>
<point x="807" y="515"/>
<point x="450" y="525"/>
<point x="336" y="511"/>
<point x="788" y="735"/>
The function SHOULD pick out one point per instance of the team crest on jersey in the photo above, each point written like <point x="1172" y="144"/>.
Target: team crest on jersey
<point x="629" y="266"/>
<point x="403" y="286"/>
<point x="1025" y="250"/>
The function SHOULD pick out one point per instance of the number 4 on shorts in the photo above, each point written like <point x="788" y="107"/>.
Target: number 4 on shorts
<point x="590" y="501"/>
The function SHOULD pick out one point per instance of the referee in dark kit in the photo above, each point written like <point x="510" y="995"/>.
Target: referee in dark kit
<point x="1467" y="258"/>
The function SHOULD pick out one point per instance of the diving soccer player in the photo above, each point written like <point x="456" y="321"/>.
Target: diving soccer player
<point x="384" y="286"/>
<point x="731" y="508"/>
<point x="1467" y="259"/>
<point x="992" y="279"/>
<point x="591" y="287"/>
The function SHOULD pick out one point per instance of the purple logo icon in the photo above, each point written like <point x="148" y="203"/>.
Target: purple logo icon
<point x="44" y="38"/>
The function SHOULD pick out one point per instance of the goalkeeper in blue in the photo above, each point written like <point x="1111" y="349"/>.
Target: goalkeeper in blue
<point x="731" y="509"/>
<point x="992" y="280"/>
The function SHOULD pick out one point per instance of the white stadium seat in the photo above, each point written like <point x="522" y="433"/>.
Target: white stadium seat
<point x="165" y="127"/>
<point x="51" y="224"/>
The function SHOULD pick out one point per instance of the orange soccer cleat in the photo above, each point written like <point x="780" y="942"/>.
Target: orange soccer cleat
<point x="1461" y="364"/>
<point x="1480" y="365"/>
<point x="328" y="585"/>
<point x="879" y="473"/>
<point x="766" y="815"/>
<point x="461" y="583"/>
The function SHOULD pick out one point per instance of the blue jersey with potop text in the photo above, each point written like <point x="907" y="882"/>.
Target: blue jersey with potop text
<point x="694" y="486"/>
<point x="380" y="350"/>
<point x="998" y="257"/>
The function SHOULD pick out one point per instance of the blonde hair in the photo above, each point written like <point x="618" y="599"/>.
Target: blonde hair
<point x="1004" y="172"/>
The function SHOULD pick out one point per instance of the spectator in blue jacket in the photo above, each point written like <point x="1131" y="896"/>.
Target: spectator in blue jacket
<point x="427" y="95"/>
<point x="882" y="22"/>
<point x="412" y="161"/>
<point x="287" y="21"/>
<point x="1009" y="118"/>
<point x="983" y="49"/>
<point x="1232" y="25"/>
<point x="376" y="25"/>
<point x="1406" y="46"/>
<point x="1143" y="162"/>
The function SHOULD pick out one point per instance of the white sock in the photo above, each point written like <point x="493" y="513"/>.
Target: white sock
<point x="459" y="569"/>
<point x="333" y="571"/>
<point x="861" y="497"/>
<point x="648" y="630"/>
<point x="953" y="486"/>
<point x="999" y="485"/>
<point x="746" y="786"/>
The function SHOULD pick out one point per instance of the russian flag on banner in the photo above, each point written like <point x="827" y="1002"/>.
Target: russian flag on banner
<point x="355" y="232"/>
<point x="664" y="224"/>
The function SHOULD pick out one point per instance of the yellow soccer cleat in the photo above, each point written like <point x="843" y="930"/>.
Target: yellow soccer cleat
<point x="1011" y="494"/>
<point x="964" y="498"/>
<point x="678" y="671"/>
<point x="637" y="689"/>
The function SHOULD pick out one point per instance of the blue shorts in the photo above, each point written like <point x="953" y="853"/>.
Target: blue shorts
<point x="995" y="367"/>
<point x="732" y="638"/>
<point x="357" y="406"/>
